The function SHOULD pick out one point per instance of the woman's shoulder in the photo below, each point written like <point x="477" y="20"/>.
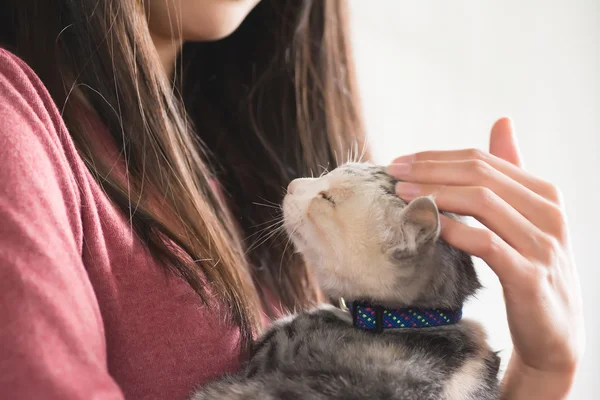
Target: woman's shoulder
<point x="16" y="77"/>
<point x="35" y="147"/>
<point x="10" y="62"/>
<point x="23" y="95"/>
<point x="11" y="65"/>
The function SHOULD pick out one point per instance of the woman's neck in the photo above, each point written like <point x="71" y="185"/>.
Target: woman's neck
<point x="167" y="49"/>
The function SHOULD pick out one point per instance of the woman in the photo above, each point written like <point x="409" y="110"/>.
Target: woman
<point x="134" y="143"/>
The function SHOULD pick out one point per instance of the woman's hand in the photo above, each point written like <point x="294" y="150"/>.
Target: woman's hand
<point x="526" y="243"/>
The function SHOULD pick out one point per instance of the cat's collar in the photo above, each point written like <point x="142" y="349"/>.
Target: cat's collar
<point x="377" y="318"/>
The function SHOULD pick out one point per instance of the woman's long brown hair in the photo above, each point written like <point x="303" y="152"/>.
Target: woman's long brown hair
<point x="274" y="101"/>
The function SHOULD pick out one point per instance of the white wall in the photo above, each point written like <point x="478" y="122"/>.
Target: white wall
<point x="436" y="74"/>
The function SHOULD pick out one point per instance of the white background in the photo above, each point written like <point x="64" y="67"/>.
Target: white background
<point x="436" y="75"/>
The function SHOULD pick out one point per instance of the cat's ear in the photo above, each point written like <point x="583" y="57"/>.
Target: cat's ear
<point x="420" y="222"/>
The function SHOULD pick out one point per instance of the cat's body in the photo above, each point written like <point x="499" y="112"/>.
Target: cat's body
<point x="320" y="355"/>
<point x="365" y="243"/>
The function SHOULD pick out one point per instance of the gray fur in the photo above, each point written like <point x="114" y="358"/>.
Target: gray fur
<point x="318" y="354"/>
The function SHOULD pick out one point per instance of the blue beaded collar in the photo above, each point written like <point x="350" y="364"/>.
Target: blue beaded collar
<point x="377" y="318"/>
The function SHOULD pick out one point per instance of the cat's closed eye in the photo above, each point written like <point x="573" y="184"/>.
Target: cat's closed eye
<point x="325" y="196"/>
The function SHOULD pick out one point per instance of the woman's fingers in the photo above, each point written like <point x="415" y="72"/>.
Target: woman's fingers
<point x="505" y="261"/>
<point x="503" y="142"/>
<point x="479" y="157"/>
<point x="486" y="206"/>
<point x="476" y="173"/>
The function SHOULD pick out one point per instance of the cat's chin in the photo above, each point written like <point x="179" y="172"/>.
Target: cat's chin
<point x="301" y="245"/>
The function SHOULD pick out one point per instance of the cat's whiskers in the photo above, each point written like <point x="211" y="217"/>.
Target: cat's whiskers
<point x="275" y="223"/>
<point x="264" y="231"/>
<point x="325" y="170"/>
<point x="271" y="235"/>
<point x="276" y="219"/>
<point x="266" y="205"/>
<point x="272" y="224"/>
<point x="364" y="149"/>
<point x="269" y="202"/>
<point x="289" y="240"/>
<point x="287" y="243"/>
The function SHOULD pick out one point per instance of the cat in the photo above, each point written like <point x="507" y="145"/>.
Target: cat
<point x="402" y="336"/>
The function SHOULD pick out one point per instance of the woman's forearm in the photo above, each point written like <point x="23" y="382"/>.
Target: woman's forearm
<point x="522" y="382"/>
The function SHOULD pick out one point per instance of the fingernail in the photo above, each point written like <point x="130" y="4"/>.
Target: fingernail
<point x="405" y="189"/>
<point x="399" y="169"/>
<point x="404" y="159"/>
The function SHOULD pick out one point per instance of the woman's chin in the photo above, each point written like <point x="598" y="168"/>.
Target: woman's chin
<point x="197" y="20"/>
<point x="225" y="18"/>
<point x="209" y="34"/>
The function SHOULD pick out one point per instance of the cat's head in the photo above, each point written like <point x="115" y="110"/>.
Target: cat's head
<point x="364" y="242"/>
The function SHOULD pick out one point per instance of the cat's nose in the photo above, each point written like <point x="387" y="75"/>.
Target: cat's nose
<point x="292" y="186"/>
<point x="298" y="186"/>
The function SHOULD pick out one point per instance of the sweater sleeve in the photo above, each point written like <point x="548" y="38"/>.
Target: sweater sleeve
<point x="52" y="343"/>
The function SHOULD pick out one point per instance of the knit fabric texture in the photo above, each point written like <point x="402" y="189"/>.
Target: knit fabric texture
<point x="378" y="318"/>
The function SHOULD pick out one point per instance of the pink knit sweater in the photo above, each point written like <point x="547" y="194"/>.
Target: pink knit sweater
<point x="85" y="311"/>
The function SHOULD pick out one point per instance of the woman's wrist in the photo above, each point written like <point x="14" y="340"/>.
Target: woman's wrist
<point x="524" y="382"/>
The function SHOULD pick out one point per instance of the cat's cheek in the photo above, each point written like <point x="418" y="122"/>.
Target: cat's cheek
<point x="318" y="210"/>
<point x="293" y="214"/>
<point x="312" y="258"/>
